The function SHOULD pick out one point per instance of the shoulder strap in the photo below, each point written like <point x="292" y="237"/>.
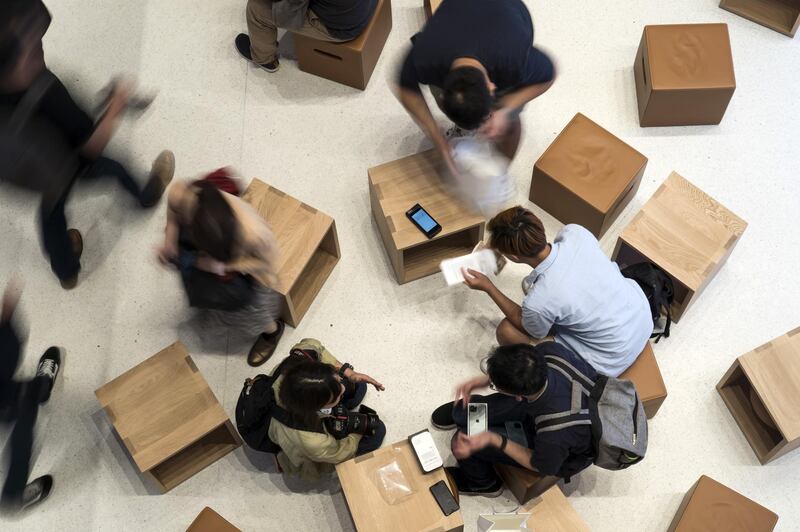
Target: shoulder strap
<point x="30" y="101"/>
<point x="570" y="372"/>
<point x="581" y="385"/>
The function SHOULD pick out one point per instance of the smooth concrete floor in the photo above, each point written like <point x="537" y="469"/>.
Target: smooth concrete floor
<point x="315" y="140"/>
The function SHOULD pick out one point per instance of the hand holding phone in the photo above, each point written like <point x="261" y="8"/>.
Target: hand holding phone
<point x="477" y="414"/>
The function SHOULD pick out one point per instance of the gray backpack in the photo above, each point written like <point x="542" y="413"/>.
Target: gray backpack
<point x="619" y="425"/>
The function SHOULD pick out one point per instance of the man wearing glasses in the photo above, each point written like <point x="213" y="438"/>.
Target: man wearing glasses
<point x="528" y="391"/>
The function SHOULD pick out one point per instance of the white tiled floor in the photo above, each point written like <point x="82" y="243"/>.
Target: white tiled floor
<point x="315" y="139"/>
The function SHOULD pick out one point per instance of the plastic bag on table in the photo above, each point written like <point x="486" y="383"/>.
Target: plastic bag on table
<point x="392" y="483"/>
<point x="484" y="182"/>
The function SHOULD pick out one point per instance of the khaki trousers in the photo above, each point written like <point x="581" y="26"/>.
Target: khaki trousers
<point x="264" y="33"/>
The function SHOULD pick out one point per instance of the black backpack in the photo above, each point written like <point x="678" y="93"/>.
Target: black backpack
<point x="34" y="155"/>
<point x="256" y="407"/>
<point x="659" y="290"/>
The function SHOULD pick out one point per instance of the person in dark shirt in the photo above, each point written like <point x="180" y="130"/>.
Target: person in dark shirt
<point x="19" y="404"/>
<point x="527" y="389"/>
<point x="23" y="24"/>
<point x="325" y="20"/>
<point x="478" y="58"/>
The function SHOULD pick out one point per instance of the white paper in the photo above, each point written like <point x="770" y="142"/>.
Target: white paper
<point x="482" y="261"/>
<point x="484" y="182"/>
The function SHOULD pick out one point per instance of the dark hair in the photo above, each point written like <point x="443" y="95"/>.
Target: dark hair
<point x="17" y="18"/>
<point x="518" y="369"/>
<point x="306" y="387"/>
<point x="213" y="228"/>
<point x="517" y="231"/>
<point x="466" y="98"/>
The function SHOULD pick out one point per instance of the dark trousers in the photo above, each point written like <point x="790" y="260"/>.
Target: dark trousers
<point x="63" y="261"/>
<point x="351" y="399"/>
<point x="478" y="469"/>
<point x="19" y="404"/>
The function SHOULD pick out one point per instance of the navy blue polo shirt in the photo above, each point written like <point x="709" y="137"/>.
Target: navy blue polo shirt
<point x="567" y="451"/>
<point x="498" y="33"/>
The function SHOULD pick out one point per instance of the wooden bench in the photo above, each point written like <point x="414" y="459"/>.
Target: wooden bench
<point x="210" y="521"/>
<point x="646" y="377"/>
<point x="352" y="62"/>
<point x="782" y="16"/>
<point x="523" y="483"/>
<point x="308" y="245"/>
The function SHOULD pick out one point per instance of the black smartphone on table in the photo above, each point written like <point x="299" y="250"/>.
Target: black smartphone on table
<point x="444" y="497"/>
<point x="423" y="221"/>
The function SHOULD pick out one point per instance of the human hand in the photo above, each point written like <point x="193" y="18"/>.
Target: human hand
<point x="464" y="391"/>
<point x="208" y="264"/>
<point x="464" y="446"/>
<point x="476" y="280"/>
<point x="496" y="125"/>
<point x="167" y="253"/>
<point x="123" y="89"/>
<point x="352" y="376"/>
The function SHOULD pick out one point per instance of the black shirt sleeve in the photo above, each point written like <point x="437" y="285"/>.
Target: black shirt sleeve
<point x="548" y="457"/>
<point x="59" y="107"/>
<point x="408" y="74"/>
<point x="539" y="68"/>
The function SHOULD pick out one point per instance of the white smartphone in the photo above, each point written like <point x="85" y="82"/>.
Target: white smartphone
<point x="477" y="416"/>
<point x="426" y="451"/>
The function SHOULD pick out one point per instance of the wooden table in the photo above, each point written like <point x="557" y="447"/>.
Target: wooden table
<point x="309" y="246"/>
<point x="393" y="189"/>
<point x="762" y="392"/>
<point x="210" y="521"/>
<point x="367" y="500"/>
<point x="168" y="418"/>
<point x="586" y="176"/>
<point x="684" y="231"/>
<point x="782" y="16"/>
<point x="552" y="512"/>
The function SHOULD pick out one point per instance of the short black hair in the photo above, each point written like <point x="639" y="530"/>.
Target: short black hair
<point x="466" y="99"/>
<point x="214" y="226"/>
<point x="16" y="18"/>
<point x="518" y="369"/>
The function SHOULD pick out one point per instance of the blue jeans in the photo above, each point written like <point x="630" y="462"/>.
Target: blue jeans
<point x="478" y="469"/>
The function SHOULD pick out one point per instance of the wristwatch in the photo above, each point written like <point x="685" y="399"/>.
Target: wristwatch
<point x="344" y="368"/>
<point x="503" y="443"/>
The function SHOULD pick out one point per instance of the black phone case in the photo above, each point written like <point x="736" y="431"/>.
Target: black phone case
<point x="444" y="498"/>
<point x="435" y="231"/>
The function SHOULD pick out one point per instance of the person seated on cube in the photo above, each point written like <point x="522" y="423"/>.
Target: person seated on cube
<point x="527" y="388"/>
<point x="310" y="419"/>
<point x="478" y="58"/>
<point x="227" y="256"/>
<point x="574" y="293"/>
<point x="324" y="20"/>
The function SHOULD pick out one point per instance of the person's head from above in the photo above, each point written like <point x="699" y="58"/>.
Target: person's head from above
<point x="519" y="235"/>
<point x="23" y="23"/>
<point x="519" y="370"/>
<point x="309" y="386"/>
<point x="468" y="94"/>
<point x="213" y="227"/>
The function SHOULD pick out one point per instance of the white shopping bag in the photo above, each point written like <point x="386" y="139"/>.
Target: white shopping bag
<point x="484" y="181"/>
<point x="504" y="522"/>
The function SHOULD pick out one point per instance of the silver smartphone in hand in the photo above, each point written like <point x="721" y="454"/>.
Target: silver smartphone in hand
<point x="477" y="418"/>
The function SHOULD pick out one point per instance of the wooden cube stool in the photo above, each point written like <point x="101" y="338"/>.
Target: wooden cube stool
<point x="762" y="392"/>
<point x="714" y="507"/>
<point x="685" y="232"/>
<point x="782" y="16"/>
<point x="684" y="74"/>
<point x="646" y="377"/>
<point x="431" y="6"/>
<point x="553" y="512"/>
<point x="210" y="521"/>
<point x="168" y="418"/>
<point x="523" y="483"/>
<point x="308" y="244"/>
<point x="352" y="62"/>
<point x="587" y="176"/>
<point x="393" y="189"/>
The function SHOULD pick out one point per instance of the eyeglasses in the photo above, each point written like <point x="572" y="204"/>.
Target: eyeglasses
<point x="493" y="387"/>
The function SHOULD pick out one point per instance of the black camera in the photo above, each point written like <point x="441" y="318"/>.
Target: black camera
<point x="342" y="422"/>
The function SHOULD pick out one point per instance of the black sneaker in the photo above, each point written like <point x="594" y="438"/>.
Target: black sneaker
<point x="495" y="490"/>
<point x="442" y="417"/>
<point x="48" y="368"/>
<point x="243" y="47"/>
<point x="36" y="491"/>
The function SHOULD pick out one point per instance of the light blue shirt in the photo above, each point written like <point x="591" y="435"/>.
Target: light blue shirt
<point x="579" y="294"/>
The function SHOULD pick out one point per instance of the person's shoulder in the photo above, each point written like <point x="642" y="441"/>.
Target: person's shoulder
<point x="565" y="353"/>
<point x="576" y="231"/>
